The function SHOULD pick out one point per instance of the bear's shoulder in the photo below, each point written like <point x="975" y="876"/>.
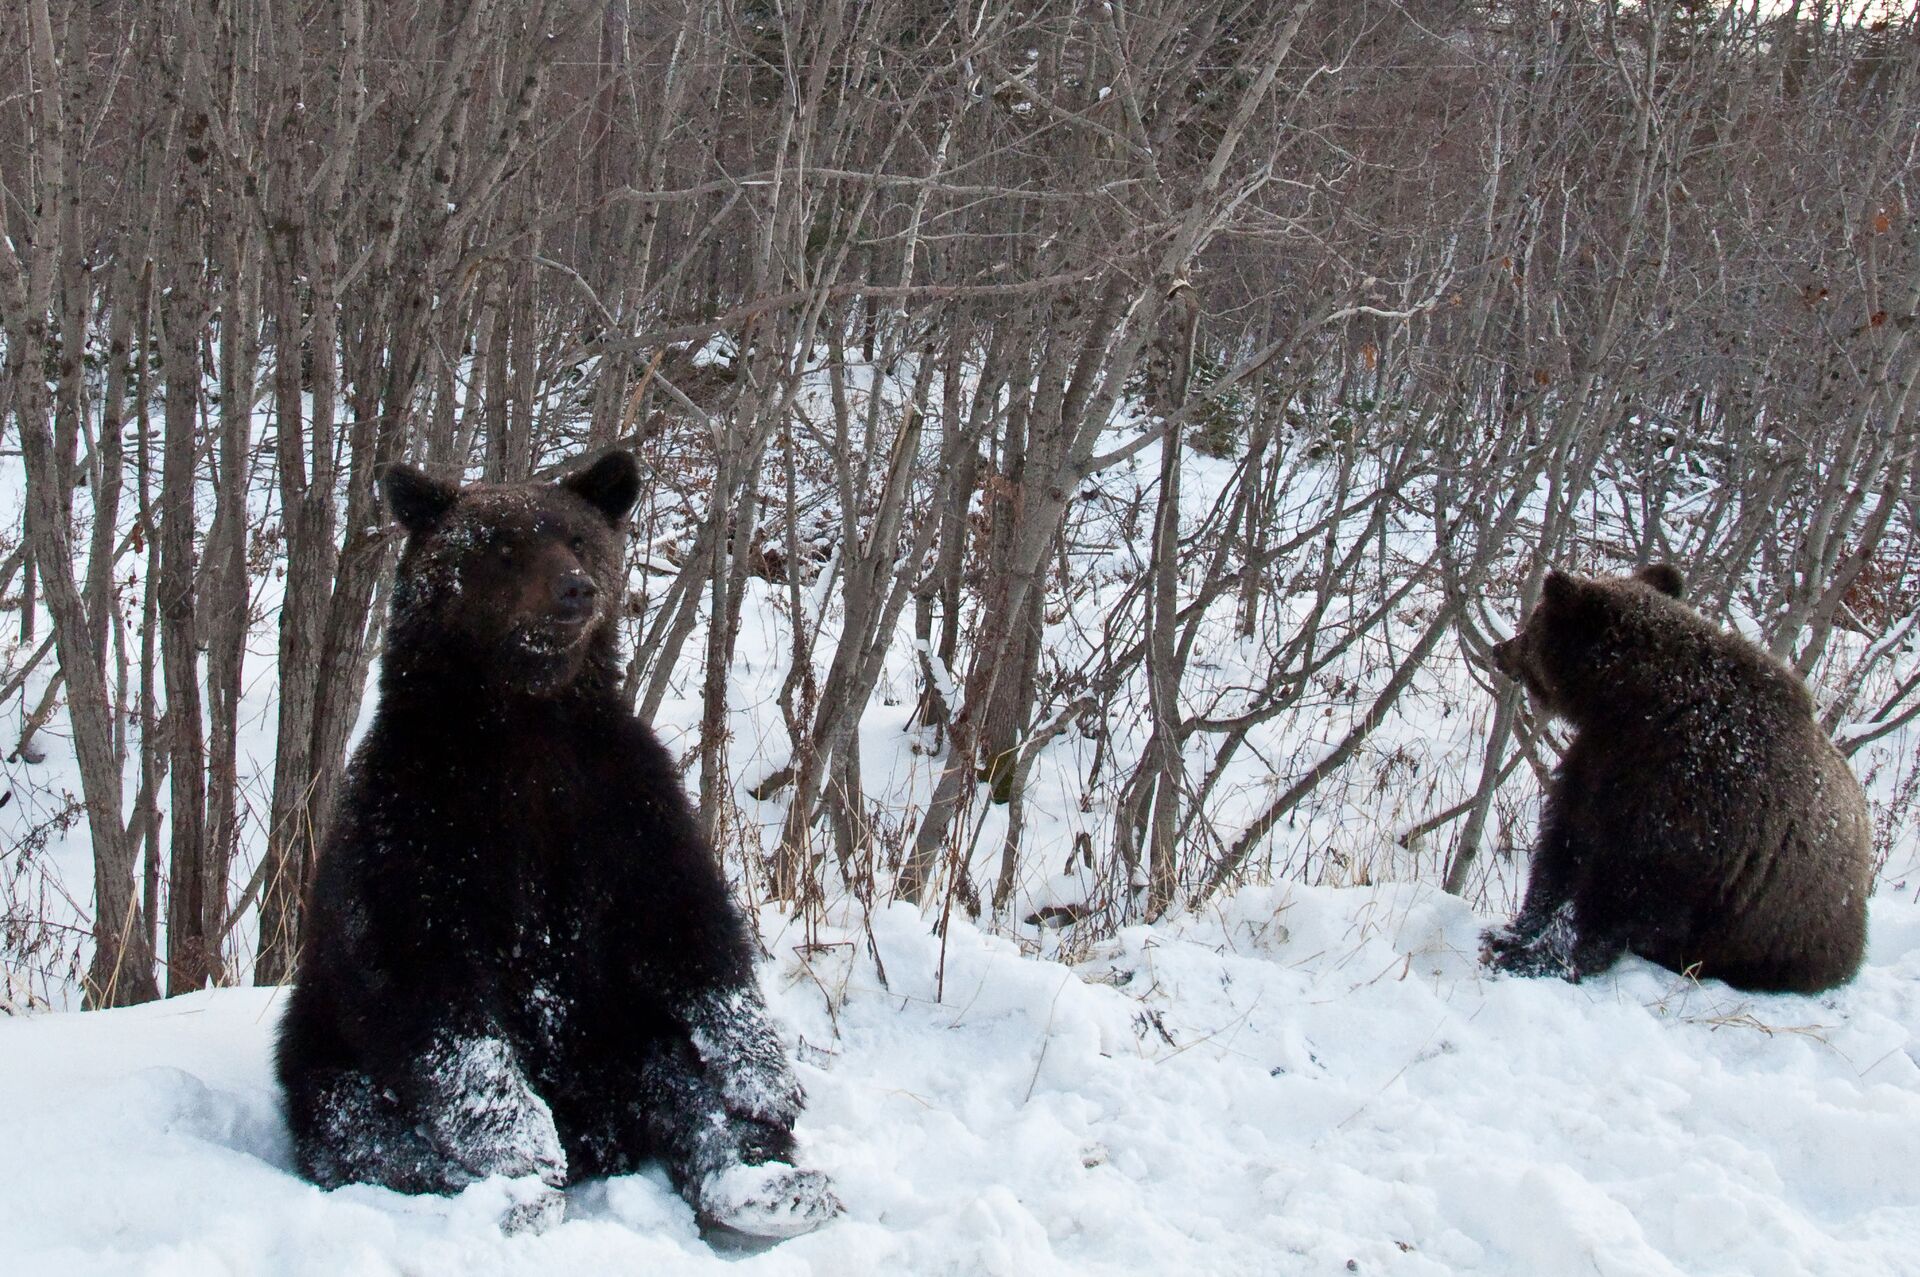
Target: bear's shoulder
<point x="1671" y="662"/>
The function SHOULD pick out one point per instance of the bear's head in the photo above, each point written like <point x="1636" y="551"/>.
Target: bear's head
<point x="1587" y="644"/>
<point x="509" y="586"/>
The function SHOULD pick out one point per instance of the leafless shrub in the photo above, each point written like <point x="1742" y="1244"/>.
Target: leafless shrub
<point x="902" y="306"/>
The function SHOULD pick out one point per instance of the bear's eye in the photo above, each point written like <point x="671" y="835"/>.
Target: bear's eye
<point x="578" y="544"/>
<point x="505" y="552"/>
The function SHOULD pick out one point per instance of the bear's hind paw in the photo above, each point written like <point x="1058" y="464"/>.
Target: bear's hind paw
<point x="771" y="1200"/>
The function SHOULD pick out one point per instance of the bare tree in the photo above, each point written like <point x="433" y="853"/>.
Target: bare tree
<point x="1035" y="353"/>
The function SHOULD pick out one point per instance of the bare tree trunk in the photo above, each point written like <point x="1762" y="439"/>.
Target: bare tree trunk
<point x="121" y="970"/>
<point x="183" y="315"/>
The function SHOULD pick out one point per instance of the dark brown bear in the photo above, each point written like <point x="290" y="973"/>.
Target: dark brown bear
<point x="1700" y="818"/>
<point x="520" y="957"/>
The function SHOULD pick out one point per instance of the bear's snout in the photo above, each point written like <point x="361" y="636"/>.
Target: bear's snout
<point x="1503" y="654"/>
<point x="573" y="597"/>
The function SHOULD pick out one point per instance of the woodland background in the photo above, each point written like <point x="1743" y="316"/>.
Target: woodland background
<point x="889" y="297"/>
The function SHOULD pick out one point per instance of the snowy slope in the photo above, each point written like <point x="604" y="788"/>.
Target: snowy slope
<point x="1300" y="1081"/>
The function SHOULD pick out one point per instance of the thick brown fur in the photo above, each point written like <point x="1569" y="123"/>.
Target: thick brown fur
<point x="1700" y="818"/>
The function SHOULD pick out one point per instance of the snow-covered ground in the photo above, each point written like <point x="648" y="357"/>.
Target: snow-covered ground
<point x="1301" y="1080"/>
<point x="1296" y="1079"/>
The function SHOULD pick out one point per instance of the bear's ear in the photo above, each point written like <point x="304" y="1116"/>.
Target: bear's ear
<point x="417" y="500"/>
<point x="1665" y="578"/>
<point x="610" y="485"/>
<point x="1558" y="587"/>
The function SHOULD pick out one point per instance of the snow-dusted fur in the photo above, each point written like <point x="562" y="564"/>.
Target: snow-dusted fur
<point x="1701" y="818"/>
<point x="521" y="958"/>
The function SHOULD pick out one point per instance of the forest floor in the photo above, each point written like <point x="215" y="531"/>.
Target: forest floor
<point x="1297" y="1080"/>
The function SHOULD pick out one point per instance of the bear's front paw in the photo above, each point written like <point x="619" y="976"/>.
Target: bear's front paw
<point x="1506" y="950"/>
<point x="490" y="1121"/>
<point x="772" y="1200"/>
<point x="733" y="1038"/>
<point x="765" y="1091"/>
<point x="1499" y="945"/>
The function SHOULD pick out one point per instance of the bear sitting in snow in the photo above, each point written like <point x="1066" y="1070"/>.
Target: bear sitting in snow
<point x="520" y="957"/>
<point x="1700" y="818"/>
